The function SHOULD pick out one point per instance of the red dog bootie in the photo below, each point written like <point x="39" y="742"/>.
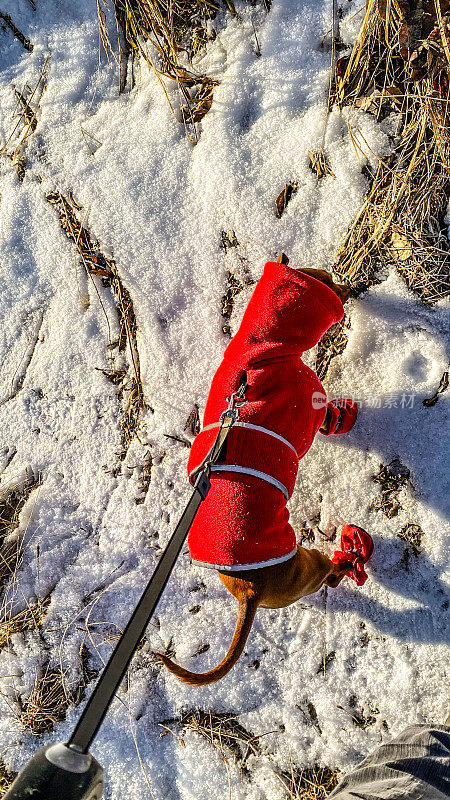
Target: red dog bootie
<point x="340" y="416"/>
<point x="357" y="547"/>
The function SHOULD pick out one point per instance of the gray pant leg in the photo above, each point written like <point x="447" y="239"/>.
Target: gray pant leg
<point x="415" y="765"/>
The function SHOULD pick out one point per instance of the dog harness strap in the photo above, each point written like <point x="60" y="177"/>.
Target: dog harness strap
<point x="253" y="427"/>
<point x="249" y="471"/>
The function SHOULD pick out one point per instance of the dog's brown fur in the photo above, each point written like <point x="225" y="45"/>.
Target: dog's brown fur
<point x="270" y="587"/>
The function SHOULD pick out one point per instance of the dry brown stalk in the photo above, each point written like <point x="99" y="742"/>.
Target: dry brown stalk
<point x="17" y="33"/>
<point x="96" y="263"/>
<point x="400" y="63"/>
<point x="28" y="101"/>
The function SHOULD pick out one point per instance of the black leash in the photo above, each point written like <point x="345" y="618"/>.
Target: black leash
<point x="67" y="770"/>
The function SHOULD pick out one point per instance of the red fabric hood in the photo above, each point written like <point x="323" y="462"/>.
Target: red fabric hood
<point x="287" y="314"/>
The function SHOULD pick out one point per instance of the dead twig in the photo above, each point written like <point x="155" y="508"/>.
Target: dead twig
<point x="17" y="33"/>
<point x="443" y="386"/>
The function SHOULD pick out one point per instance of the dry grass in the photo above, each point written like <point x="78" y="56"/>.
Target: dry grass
<point x="145" y="478"/>
<point x="13" y="497"/>
<point x="96" y="263"/>
<point x="313" y="783"/>
<point x="319" y="164"/>
<point x="228" y="241"/>
<point x="51" y="696"/>
<point x="401" y="63"/>
<point x="10" y="558"/>
<point x="234" y="286"/>
<point x="47" y="703"/>
<point x="392" y="478"/>
<point x="6" y="779"/>
<point x="173" y="28"/>
<point x="28" y="101"/>
<point x="31" y="618"/>
<point x="332" y="344"/>
<point x="223" y="731"/>
<point x="167" y="35"/>
<point x="12" y="500"/>
<point x="412" y="534"/>
<point x="310" y="714"/>
<point x="226" y="734"/>
<point x="361" y="718"/>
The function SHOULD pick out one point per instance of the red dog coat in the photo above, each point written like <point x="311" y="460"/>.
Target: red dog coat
<point x="243" y="523"/>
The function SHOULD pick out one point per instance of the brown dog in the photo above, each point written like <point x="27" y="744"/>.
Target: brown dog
<point x="275" y="586"/>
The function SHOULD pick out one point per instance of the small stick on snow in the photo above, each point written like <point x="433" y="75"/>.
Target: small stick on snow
<point x="258" y="49"/>
<point x="18" y="34"/>
<point x="324" y="629"/>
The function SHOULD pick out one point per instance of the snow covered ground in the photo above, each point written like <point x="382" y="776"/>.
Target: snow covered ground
<point x="159" y="205"/>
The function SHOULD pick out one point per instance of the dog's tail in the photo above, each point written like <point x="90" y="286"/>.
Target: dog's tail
<point x="247" y="611"/>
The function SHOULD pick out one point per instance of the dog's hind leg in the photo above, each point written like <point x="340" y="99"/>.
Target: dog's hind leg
<point x="308" y="572"/>
<point x="281" y="584"/>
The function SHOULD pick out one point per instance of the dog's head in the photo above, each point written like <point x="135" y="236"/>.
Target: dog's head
<point x="342" y="291"/>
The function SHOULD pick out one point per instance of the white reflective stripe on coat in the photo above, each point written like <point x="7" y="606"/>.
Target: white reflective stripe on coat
<point x="247" y="471"/>
<point x="253" y="427"/>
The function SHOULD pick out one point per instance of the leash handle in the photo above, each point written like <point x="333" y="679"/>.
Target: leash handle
<point x="57" y="772"/>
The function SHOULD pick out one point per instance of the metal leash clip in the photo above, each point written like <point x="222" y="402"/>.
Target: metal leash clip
<point x="235" y="402"/>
